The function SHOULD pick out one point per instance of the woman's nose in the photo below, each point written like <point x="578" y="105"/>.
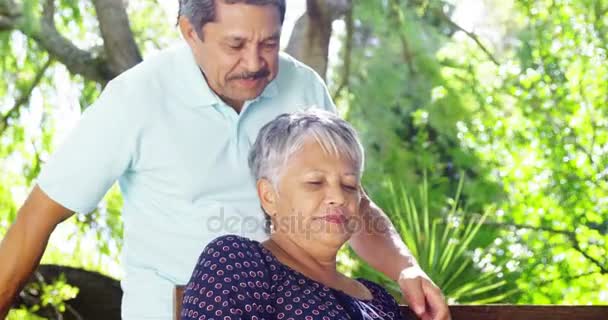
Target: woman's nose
<point x="335" y="195"/>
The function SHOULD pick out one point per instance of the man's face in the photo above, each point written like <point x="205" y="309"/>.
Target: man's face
<point x="239" y="50"/>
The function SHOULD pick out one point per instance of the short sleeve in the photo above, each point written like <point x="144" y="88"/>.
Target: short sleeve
<point x="93" y="155"/>
<point x="324" y="99"/>
<point x="228" y="282"/>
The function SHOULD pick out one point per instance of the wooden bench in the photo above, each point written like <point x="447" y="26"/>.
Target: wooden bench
<point x="488" y="312"/>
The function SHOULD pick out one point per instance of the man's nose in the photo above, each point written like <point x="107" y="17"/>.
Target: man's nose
<point x="252" y="60"/>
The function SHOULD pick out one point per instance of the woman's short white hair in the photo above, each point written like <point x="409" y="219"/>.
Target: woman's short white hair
<point x="282" y="137"/>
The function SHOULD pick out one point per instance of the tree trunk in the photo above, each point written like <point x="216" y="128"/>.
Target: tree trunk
<point x="309" y="40"/>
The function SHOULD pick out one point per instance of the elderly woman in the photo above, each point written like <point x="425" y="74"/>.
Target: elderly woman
<point x="308" y="167"/>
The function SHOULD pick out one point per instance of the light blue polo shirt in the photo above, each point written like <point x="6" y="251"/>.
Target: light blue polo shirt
<point x="180" y="156"/>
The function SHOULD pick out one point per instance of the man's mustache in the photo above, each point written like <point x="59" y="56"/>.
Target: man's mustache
<point x="262" y="73"/>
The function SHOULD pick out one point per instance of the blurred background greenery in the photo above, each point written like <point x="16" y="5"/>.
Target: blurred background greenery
<point x="485" y="124"/>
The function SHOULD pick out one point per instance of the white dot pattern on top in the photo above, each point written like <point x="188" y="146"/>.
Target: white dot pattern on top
<point x="237" y="278"/>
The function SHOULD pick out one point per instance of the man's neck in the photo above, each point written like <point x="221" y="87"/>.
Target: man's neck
<point x="236" y="105"/>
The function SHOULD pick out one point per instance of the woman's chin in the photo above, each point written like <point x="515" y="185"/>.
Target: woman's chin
<point x="335" y="238"/>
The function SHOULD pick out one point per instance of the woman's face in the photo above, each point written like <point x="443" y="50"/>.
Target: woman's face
<point x="317" y="199"/>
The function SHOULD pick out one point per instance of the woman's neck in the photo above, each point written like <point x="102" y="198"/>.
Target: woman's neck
<point x="316" y="263"/>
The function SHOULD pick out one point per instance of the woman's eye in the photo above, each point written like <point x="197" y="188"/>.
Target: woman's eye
<point x="350" y="188"/>
<point x="315" y="183"/>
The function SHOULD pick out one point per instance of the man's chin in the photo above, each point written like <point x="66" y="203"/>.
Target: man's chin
<point x="244" y="94"/>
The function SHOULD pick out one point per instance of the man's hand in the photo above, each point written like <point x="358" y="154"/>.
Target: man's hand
<point x="422" y="295"/>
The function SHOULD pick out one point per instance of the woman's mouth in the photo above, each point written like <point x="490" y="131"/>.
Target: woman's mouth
<point x="335" y="218"/>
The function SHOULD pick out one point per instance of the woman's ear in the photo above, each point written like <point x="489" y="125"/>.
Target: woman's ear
<point x="268" y="196"/>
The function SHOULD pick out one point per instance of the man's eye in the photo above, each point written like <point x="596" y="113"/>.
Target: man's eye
<point x="235" y="46"/>
<point x="270" y="45"/>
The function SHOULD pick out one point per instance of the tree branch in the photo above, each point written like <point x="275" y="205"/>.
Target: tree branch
<point x="6" y="23"/>
<point x="9" y="14"/>
<point x="578" y="276"/>
<point x="46" y="35"/>
<point x="24" y="98"/>
<point x="120" y="47"/>
<point x="48" y="12"/>
<point x="530" y="227"/>
<point x="569" y="234"/>
<point x="348" y="47"/>
<point x="470" y="34"/>
<point x="405" y="46"/>
<point x="599" y="264"/>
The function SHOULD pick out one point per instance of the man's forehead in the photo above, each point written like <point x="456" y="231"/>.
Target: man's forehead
<point x="242" y="11"/>
<point x="245" y="36"/>
<point x="243" y="29"/>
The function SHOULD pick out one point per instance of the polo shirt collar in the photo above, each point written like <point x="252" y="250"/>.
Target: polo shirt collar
<point x="271" y="89"/>
<point x="191" y="87"/>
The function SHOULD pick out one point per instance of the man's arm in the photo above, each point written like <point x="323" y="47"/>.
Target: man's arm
<point x="25" y="242"/>
<point x="379" y="244"/>
<point x="378" y="240"/>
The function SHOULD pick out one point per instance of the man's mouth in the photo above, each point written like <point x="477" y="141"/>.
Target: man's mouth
<point x="251" y="76"/>
<point x="248" y="82"/>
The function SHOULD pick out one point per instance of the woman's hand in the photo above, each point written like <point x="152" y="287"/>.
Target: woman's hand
<point x="422" y="295"/>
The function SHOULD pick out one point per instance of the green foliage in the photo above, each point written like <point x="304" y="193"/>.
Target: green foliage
<point x="529" y="131"/>
<point x="57" y="293"/>
<point x="548" y="122"/>
<point x="53" y="295"/>
<point x="444" y="244"/>
<point x="149" y="25"/>
<point x="405" y="109"/>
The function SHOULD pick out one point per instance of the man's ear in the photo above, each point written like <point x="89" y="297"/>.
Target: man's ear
<point x="187" y="30"/>
<point x="267" y="195"/>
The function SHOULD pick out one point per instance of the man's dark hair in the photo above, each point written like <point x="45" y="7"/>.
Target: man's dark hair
<point x="199" y="12"/>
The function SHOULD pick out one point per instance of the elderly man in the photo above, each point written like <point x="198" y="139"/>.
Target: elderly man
<point x="175" y="132"/>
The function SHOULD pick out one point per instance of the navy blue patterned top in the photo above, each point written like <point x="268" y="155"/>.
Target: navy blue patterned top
<point x="238" y="278"/>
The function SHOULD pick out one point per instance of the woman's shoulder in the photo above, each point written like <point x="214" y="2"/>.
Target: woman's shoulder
<point x="234" y="253"/>
<point x="231" y="242"/>
<point x="231" y="277"/>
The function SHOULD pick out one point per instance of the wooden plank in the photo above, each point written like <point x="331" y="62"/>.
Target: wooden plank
<point x="489" y="312"/>
<point x="528" y="312"/>
<point x="178" y="295"/>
